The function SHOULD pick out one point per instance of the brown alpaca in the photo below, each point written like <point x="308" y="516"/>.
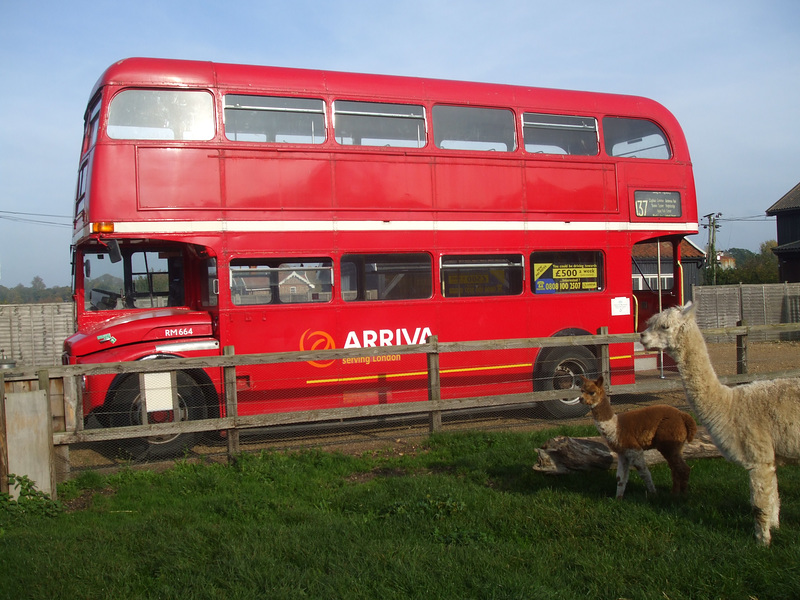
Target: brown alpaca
<point x="629" y="434"/>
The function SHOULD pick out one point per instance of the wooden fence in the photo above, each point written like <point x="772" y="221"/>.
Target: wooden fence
<point x="33" y="334"/>
<point x="65" y="412"/>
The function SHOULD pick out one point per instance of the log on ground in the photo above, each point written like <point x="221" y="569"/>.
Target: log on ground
<point x="562" y="455"/>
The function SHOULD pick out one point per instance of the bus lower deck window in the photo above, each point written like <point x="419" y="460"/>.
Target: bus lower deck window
<point x="258" y="281"/>
<point x="481" y="275"/>
<point x="566" y="271"/>
<point x="386" y="276"/>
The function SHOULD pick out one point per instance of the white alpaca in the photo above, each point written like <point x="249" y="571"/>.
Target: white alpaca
<point x="756" y="425"/>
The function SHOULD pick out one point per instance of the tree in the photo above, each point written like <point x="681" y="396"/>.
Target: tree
<point x="38" y="292"/>
<point x="751" y="267"/>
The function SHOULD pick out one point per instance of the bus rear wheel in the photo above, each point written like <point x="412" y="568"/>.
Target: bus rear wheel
<point x="124" y="408"/>
<point x="562" y="370"/>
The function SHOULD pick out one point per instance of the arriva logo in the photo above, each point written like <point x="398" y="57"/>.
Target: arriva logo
<point x="369" y="338"/>
<point x="386" y="337"/>
<point x="317" y="340"/>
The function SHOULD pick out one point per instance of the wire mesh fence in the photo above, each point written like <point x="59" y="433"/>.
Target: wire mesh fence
<point x="148" y="414"/>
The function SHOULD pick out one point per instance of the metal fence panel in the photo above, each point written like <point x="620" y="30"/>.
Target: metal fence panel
<point x="757" y="304"/>
<point x="33" y="334"/>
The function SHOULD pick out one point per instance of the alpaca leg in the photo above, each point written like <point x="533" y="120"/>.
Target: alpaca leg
<point x="682" y="472"/>
<point x="765" y="501"/>
<point x="623" y="469"/>
<point x="775" y="502"/>
<point x="774" y="499"/>
<point x="641" y="466"/>
<point x="678" y="467"/>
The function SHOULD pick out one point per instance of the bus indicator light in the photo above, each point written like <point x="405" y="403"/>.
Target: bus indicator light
<point x="103" y="227"/>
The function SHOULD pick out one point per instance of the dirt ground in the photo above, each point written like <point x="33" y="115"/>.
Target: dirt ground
<point x="762" y="357"/>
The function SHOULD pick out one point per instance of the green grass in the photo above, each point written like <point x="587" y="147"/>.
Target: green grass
<point x="466" y="517"/>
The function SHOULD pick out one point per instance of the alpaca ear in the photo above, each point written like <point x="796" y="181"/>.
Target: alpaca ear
<point x="689" y="309"/>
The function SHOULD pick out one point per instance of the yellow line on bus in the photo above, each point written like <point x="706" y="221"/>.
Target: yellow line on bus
<point x="367" y="377"/>
<point x="422" y="373"/>
<point x="415" y="374"/>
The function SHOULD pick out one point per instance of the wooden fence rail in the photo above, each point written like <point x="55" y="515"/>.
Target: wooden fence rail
<point x="67" y="414"/>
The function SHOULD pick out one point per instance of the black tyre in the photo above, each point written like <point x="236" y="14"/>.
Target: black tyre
<point x="124" y="408"/>
<point x="561" y="370"/>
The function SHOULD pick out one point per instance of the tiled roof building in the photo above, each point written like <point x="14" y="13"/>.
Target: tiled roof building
<point x="787" y="215"/>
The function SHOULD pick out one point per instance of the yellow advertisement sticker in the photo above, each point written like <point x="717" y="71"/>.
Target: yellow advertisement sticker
<point x="574" y="272"/>
<point x="539" y="269"/>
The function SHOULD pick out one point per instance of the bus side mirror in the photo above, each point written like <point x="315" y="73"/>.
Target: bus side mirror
<point x="113" y="251"/>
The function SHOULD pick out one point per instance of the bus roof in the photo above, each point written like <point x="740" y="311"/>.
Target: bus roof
<point x="160" y="72"/>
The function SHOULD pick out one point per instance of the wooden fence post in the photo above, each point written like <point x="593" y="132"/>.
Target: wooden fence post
<point x="605" y="361"/>
<point x="434" y="383"/>
<point x="44" y="384"/>
<point x="231" y="404"/>
<point x="3" y="438"/>
<point x="73" y="421"/>
<point x="741" y="350"/>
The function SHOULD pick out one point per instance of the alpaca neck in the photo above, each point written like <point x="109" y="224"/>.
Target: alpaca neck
<point x="703" y="388"/>
<point x="606" y="422"/>
<point x="602" y="411"/>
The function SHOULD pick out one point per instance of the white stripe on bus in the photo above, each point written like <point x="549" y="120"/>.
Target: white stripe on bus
<point x="158" y="227"/>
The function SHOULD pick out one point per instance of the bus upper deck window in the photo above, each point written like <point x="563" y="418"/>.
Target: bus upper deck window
<point x="471" y="128"/>
<point x="90" y="131"/>
<point x="635" y="138"/>
<point x="379" y="124"/>
<point x="273" y="119"/>
<point x="560" y="134"/>
<point x="161" y="115"/>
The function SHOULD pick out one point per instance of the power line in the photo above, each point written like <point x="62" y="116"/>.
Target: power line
<point x="749" y="218"/>
<point x="25" y="217"/>
<point x="27" y="214"/>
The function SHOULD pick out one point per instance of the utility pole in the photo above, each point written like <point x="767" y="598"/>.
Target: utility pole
<point x="711" y="260"/>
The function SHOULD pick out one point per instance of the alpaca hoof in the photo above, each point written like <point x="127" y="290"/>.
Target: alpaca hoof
<point x="763" y="536"/>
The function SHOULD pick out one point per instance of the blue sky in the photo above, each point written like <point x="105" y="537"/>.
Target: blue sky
<point x="729" y="70"/>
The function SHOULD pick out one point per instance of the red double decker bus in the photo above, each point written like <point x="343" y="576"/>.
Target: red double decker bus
<point x="274" y="209"/>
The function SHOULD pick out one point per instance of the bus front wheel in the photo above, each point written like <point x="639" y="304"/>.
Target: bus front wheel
<point x="124" y="408"/>
<point x="561" y="370"/>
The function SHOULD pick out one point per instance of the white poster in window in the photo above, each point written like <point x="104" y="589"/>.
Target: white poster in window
<point x="620" y="306"/>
